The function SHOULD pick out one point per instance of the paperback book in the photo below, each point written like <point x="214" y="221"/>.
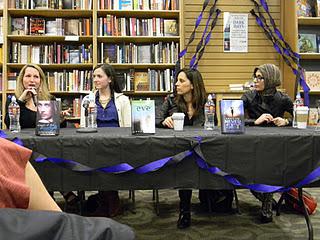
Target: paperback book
<point x="232" y="116"/>
<point x="143" y="117"/>
<point x="48" y="118"/>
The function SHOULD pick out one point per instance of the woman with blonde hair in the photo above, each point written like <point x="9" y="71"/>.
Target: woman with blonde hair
<point x="32" y="85"/>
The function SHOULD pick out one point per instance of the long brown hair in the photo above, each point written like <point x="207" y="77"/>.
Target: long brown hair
<point x="198" y="91"/>
<point x="111" y="73"/>
<point x="43" y="90"/>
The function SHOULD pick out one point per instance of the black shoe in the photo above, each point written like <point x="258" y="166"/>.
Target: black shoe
<point x="265" y="219"/>
<point x="184" y="220"/>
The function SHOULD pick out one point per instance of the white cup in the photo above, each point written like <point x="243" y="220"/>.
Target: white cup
<point x="178" y="120"/>
<point x="302" y="116"/>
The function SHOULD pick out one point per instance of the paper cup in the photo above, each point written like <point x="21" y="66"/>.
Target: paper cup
<point x="178" y="120"/>
<point x="302" y="116"/>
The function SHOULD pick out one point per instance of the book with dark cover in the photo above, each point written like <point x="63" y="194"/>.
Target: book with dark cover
<point x="37" y="26"/>
<point x="232" y="116"/>
<point x="48" y="118"/>
<point x="143" y="117"/>
<point x="67" y="4"/>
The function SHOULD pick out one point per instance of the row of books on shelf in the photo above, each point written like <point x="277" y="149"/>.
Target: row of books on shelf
<point x="309" y="43"/>
<point x="114" y="26"/>
<point x="150" y="80"/>
<point x="1" y="26"/>
<point x="132" y="53"/>
<point x="51" y="54"/>
<point x="139" y="4"/>
<point x="70" y="81"/>
<point x="308" y="8"/>
<point x="50" y="4"/>
<point x="56" y="27"/>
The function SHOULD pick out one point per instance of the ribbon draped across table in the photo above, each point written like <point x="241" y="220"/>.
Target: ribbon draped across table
<point x="195" y="152"/>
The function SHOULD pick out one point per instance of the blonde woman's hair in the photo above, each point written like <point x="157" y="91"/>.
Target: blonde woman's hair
<point x="43" y="90"/>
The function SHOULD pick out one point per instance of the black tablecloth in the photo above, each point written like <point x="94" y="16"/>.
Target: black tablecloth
<point x="276" y="156"/>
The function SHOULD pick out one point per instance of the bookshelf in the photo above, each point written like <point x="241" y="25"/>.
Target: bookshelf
<point x="35" y="42"/>
<point x="311" y="61"/>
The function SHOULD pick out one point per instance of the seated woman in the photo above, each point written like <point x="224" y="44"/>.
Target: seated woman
<point x="32" y="85"/>
<point x="189" y="97"/>
<point x="113" y="110"/>
<point x="265" y="106"/>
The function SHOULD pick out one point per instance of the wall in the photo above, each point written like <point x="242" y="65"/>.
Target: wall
<point x="221" y="69"/>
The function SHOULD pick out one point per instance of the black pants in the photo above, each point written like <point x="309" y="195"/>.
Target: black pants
<point x="185" y="200"/>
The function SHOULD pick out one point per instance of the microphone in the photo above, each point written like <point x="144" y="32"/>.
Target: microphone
<point x="35" y="99"/>
<point x="86" y="113"/>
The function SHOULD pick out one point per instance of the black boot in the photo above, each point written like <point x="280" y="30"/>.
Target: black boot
<point x="184" y="220"/>
<point x="266" y="209"/>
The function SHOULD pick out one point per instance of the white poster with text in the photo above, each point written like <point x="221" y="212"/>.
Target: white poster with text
<point x="235" y="32"/>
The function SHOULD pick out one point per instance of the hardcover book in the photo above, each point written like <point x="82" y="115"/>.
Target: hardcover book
<point x="313" y="80"/>
<point x="141" y="81"/>
<point x="317" y="8"/>
<point x="37" y="26"/>
<point x="232" y="116"/>
<point x="48" y="118"/>
<point x="307" y="43"/>
<point x="143" y="116"/>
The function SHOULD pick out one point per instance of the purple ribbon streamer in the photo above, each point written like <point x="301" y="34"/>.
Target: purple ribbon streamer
<point x="3" y="134"/>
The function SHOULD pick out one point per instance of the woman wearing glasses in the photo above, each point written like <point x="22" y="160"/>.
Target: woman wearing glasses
<point x="265" y="106"/>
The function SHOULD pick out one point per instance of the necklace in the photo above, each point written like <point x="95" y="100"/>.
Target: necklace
<point x="104" y="101"/>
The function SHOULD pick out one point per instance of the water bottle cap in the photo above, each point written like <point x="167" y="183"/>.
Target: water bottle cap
<point x="13" y="99"/>
<point x="209" y="97"/>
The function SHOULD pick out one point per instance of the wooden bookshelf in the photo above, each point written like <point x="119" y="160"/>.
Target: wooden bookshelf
<point x="95" y="39"/>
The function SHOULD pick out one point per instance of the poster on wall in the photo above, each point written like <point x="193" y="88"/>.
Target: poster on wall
<point x="235" y="32"/>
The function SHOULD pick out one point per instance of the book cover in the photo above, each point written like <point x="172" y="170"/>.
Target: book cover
<point x="304" y="8"/>
<point x="144" y="54"/>
<point x="17" y="26"/>
<point x="125" y="5"/>
<point x="110" y="53"/>
<point x="48" y="118"/>
<point x="313" y="80"/>
<point x="307" y="43"/>
<point x="37" y="26"/>
<point x="40" y="4"/>
<point x="141" y="81"/>
<point x="71" y="27"/>
<point x="313" y="116"/>
<point x="143" y="116"/>
<point x="232" y="116"/>
<point x="67" y="4"/>
<point x="170" y="27"/>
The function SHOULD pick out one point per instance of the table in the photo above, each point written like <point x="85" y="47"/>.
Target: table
<point x="275" y="156"/>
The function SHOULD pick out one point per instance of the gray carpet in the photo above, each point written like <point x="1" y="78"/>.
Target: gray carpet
<point x="245" y="226"/>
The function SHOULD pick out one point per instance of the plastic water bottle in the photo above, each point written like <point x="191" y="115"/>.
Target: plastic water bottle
<point x="297" y="102"/>
<point x="92" y="112"/>
<point x="14" y="115"/>
<point x="209" y="112"/>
